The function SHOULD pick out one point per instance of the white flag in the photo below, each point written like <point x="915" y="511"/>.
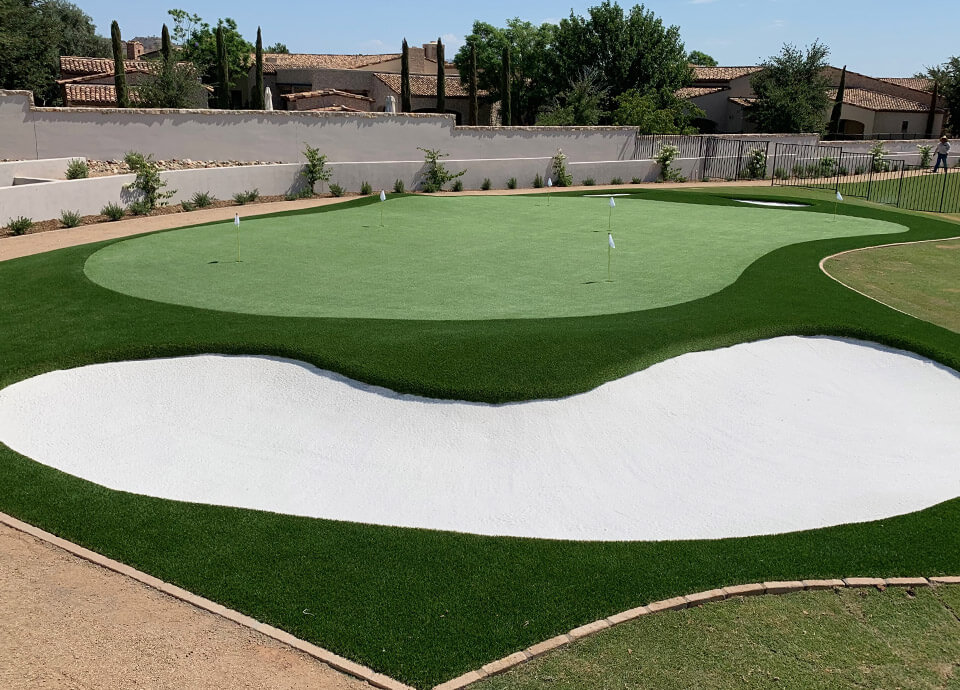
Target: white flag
<point x="383" y="195"/>
<point x="610" y="238"/>
<point x="612" y="203"/>
<point x="549" y="182"/>
<point x="839" y="196"/>
<point x="236" y="219"/>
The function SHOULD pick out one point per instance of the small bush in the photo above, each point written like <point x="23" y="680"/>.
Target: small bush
<point x="665" y="159"/>
<point x="366" y="189"/>
<point x="201" y="199"/>
<point x="538" y="181"/>
<point x="512" y="183"/>
<point x="240" y="198"/>
<point x="20" y="225"/>
<point x="756" y="168"/>
<point x="148" y="183"/>
<point x="926" y="154"/>
<point x="187" y="206"/>
<point x="70" y="219"/>
<point x="139" y="208"/>
<point x="336" y="189"/>
<point x="486" y="184"/>
<point x="77" y="169"/>
<point x="315" y="170"/>
<point x="458" y="185"/>
<point x="636" y="180"/>
<point x="113" y="211"/>
<point x="437" y="174"/>
<point x="246" y="196"/>
<point x="305" y="193"/>
<point x="398" y="186"/>
<point x="588" y="182"/>
<point x="616" y="180"/>
<point x="877" y="152"/>
<point x="859" y="170"/>
<point x="253" y="194"/>
<point x="561" y="176"/>
<point x="780" y="173"/>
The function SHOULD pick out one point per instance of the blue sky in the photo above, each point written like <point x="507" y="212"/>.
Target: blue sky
<point x="879" y="37"/>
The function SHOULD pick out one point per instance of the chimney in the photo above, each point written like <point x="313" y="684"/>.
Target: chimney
<point x="430" y="50"/>
<point x="134" y="50"/>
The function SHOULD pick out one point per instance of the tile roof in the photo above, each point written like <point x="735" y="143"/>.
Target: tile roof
<point x="722" y="73"/>
<point x="274" y="61"/>
<point x="697" y="91"/>
<point x="333" y="109"/>
<point x="324" y="92"/>
<point x="866" y="99"/>
<point x="424" y="85"/>
<point x="87" y="65"/>
<point x="100" y="75"/>
<point x="915" y="83"/>
<point x="94" y="95"/>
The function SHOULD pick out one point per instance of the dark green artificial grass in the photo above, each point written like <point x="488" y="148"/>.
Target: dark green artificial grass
<point x="923" y="191"/>
<point x="462" y="258"/>
<point x="426" y="606"/>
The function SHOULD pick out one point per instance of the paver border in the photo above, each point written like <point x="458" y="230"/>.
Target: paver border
<point x="377" y="680"/>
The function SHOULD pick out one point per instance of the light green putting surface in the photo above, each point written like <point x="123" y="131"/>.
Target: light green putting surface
<point x="462" y="257"/>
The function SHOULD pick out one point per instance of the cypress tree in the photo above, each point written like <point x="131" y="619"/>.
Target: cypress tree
<point x="506" y="116"/>
<point x="257" y="101"/>
<point x="223" y="72"/>
<point x="474" y="110"/>
<point x="838" y="105"/>
<point x="405" y="79"/>
<point x="441" y="79"/>
<point x="119" y="76"/>
<point x="166" y="49"/>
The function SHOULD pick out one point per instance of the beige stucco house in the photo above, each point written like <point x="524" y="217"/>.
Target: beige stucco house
<point x="87" y="82"/>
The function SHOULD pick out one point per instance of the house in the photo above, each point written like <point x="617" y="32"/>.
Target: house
<point x="87" y="82"/>
<point x="322" y="81"/>
<point x="894" y="108"/>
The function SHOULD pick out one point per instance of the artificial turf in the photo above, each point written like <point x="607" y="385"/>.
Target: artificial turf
<point x="920" y="279"/>
<point x="912" y="190"/>
<point x="494" y="257"/>
<point x="426" y="606"/>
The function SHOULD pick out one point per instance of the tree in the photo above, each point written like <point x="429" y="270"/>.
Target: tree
<point x="700" y="59"/>
<point x="791" y="91"/>
<point x="198" y="43"/>
<point x="256" y="100"/>
<point x="166" y="48"/>
<point x="838" y="104"/>
<point x="170" y="84"/>
<point x="405" y="106"/>
<point x="277" y="48"/>
<point x="472" y="87"/>
<point x="505" y="89"/>
<point x="223" y="72"/>
<point x="441" y="79"/>
<point x="33" y="36"/>
<point x="655" y="113"/>
<point x="946" y="77"/>
<point x="119" y="75"/>
<point x="581" y="104"/>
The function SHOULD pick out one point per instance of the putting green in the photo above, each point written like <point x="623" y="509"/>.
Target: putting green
<point x="462" y="258"/>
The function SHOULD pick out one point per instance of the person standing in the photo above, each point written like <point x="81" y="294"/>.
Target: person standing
<point x="943" y="148"/>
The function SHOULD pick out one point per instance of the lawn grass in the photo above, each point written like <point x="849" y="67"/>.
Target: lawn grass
<point x="849" y="638"/>
<point x="426" y="606"/>
<point x="920" y="279"/>
<point x="463" y="258"/>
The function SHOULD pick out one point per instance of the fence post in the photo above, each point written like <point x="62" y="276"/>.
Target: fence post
<point x="900" y="186"/>
<point x="736" y="174"/>
<point x="776" y="154"/>
<point x="943" y="192"/>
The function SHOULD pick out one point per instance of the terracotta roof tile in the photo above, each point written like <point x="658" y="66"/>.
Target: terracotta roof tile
<point x="333" y="109"/>
<point x="100" y="75"/>
<point x="94" y="95"/>
<point x="697" y="91"/>
<point x="424" y="85"/>
<point x="874" y="100"/>
<point x="73" y="64"/>
<point x="274" y="61"/>
<point x="701" y="74"/>
<point x="324" y="92"/>
<point x="915" y="83"/>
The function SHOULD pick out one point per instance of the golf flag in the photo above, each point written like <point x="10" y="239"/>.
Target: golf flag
<point x="549" y="182"/>
<point x="383" y="195"/>
<point x="236" y="219"/>
<point x="839" y="196"/>
<point x="613" y="203"/>
<point x="610" y="239"/>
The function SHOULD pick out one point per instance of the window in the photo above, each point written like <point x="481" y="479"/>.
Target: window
<point x="905" y="125"/>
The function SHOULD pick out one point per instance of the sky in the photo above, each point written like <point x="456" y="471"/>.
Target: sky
<point x="880" y="38"/>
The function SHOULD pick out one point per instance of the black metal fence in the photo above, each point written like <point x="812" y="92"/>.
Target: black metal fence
<point x="649" y="145"/>
<point x="878" y="179"/>
<point x="734" y="159"/>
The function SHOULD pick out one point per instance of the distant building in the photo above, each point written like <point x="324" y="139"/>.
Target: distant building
<point x="87" y="82"/>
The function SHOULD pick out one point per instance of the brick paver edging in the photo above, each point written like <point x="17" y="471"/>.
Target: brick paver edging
<point x="688" y="601"/>
<point x="335" y="661"/>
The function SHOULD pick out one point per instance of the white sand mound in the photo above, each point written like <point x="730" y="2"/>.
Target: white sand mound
<point x="773" y="436"/>
<point x="779" y="204"/>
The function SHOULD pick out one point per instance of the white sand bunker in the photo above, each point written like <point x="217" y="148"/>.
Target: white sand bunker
<point x="779" y="204"/>
<point x="765" y="437"/>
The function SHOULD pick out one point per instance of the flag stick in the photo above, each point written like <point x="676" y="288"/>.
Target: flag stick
<point x="609" y="252"/>
<point x="381" y="215"/>
<point x="610" y="220"/>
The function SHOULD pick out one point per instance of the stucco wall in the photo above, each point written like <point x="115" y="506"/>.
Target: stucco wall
<point x="50" y="168"/>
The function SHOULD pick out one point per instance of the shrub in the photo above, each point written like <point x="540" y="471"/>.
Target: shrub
<point x="365" y="188"/>
<point x="877" y="153"/>
<point x="253" y="194"/>
<point x="139" y="208"/>
<point x="458" y="185"/>
<point x="437" y="174"/>
<point x="201" y="199"/>
<point x="636" y="180"/>
<point x="512" y="183"/>
<point x="560" y="174"/>
<point x="826" y="167"/>
<point x="20" y="225"/>
<point x="336" y="189"/>
<point x="588" y="182"/>
<point x="246" y="196"/>
<point x="77" y="169"/>
<point x="926" y="155"/>
<point x="859" y="170"/>
<point x="148" y="183"/>
<point x="398" y="186"/>
<point x="665" y="159"/>
<point x="315" y="169"/>
<point x="756" y="168"/>
<point x="616" y="180"/>
<point x="780" y="173"/>
<point x="305" y="193"/>
<point x="486" y="184"/>
<point x="113" y="211"/>
<point x="187" y="206"/>
<point x="70" y="219"/>
<point x="538" y="181"/>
